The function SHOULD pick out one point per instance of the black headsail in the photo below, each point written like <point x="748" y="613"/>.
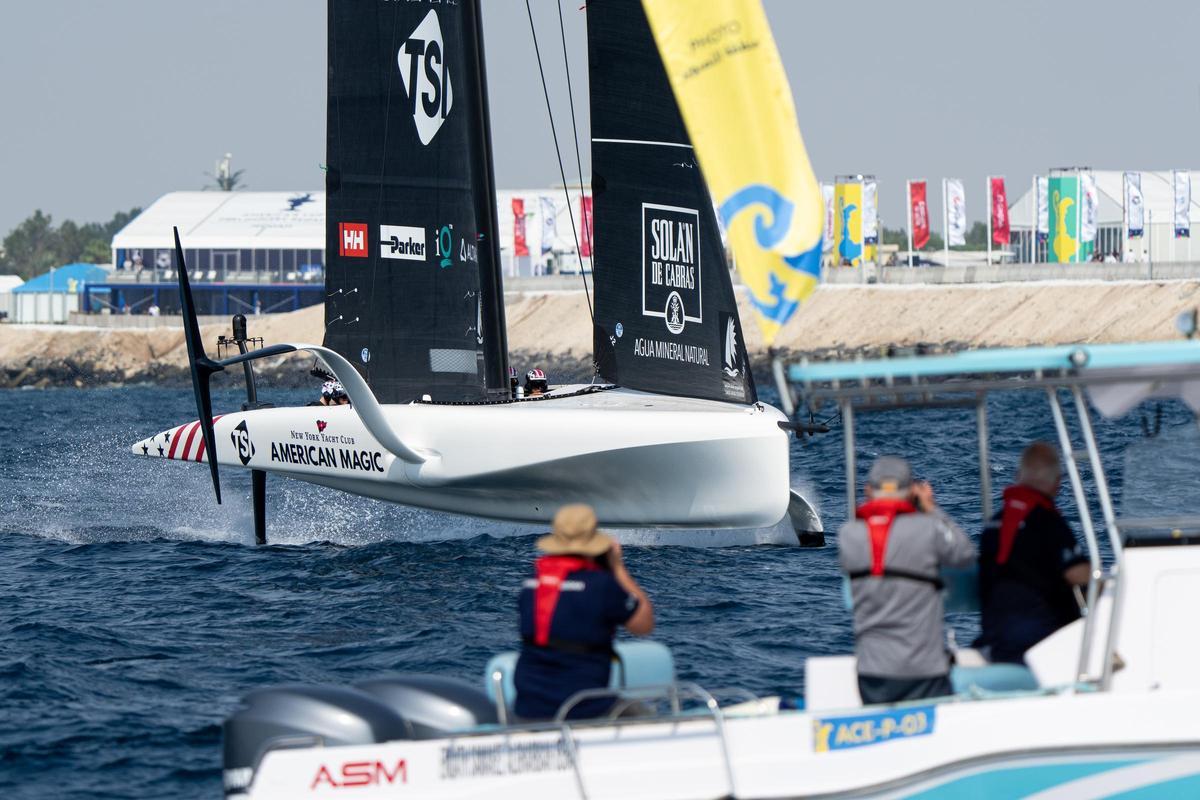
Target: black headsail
<point x="412" y="260"/>
<point x="666" y="317"/>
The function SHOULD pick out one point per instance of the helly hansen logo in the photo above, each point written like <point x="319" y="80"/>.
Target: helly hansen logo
<point x="422" y="63"/>
<point x="352" y="239"/>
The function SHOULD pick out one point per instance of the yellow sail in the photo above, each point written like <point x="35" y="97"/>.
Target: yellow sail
<point x="731" y="89"/>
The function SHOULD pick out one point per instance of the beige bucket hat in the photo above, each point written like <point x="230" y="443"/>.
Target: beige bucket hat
<point x="574" y="533"/>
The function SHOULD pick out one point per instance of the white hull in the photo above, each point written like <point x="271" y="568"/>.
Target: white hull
<point x="1071" y="746"/>
<point x="641" y="460"/>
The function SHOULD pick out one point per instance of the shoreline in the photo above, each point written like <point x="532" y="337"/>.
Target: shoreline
<point x="551" y="329"/>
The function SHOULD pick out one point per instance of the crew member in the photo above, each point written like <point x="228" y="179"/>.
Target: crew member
<point x="569" y="615"/>
<point x="334" y="394"/>
<point x="535" y="383"/>
<point x="513" y="382"/>
<point x="1029" y="562"/>
<point x="893" y="553"/>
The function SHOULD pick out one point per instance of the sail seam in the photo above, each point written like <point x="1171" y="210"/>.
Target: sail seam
<point x="643" y="141"/>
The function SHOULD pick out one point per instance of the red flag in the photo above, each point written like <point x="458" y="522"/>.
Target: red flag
<point x="585" y="222"/>
<point x="1000" y="233"/>
<point x="520" y="246"/>
<point x="919" y="213"/>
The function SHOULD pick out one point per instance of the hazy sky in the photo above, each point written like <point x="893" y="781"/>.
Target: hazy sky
<point x="107" y="105"/>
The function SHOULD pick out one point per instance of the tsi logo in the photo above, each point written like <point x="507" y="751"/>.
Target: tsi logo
<point x="352" y="239"/>
<point x="241" y="442"/>
<point x="402" y="242"/>
<point x="426" y="78"/>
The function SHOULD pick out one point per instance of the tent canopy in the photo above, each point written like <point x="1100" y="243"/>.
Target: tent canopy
<point x="1158" y="196"/>
<point x="229" y="220"/>
<point x="67" y="278"/>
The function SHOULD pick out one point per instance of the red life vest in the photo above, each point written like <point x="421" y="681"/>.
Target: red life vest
<point x="1019" y="503"/>
<point x="551" y="572"/>
<point x="879" y="514"/>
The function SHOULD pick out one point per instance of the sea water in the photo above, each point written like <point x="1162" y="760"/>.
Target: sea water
<point x="134" y="611"/>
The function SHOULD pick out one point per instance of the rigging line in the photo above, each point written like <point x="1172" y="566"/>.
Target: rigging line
<point x="575" y="131"/>
<point x="558" y="152"/>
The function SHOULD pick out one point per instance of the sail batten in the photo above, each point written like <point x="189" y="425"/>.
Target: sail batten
<point x="415" y="299"/>
<point x="666" y="318"/>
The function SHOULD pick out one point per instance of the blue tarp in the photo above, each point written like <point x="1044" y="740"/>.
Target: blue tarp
<point x="68" y="278"/>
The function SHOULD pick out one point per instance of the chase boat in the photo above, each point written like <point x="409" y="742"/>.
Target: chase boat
<point x="1108" y="705"/>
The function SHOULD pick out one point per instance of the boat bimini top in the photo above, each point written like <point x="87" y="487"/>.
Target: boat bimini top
<point x="1114" y="377"/>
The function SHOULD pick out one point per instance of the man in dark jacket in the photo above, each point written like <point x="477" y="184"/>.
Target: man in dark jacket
<point x="569" y="614"/>
<point x="1029" y="562"/>
<point x="893" y="553"/>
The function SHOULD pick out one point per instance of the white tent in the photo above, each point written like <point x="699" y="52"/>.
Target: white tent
<point x="234" y="220"/>
<point x="1158" y="195"/>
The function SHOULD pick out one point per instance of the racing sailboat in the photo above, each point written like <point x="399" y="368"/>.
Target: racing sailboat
<point x="671" y="434"/>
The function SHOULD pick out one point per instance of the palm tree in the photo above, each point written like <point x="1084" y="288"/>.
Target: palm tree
<point x="225" y="178"/>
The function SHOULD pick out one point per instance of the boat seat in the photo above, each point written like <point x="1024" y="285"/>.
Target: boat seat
<point x="993" y="678"/>
<point x="638" y="664"/>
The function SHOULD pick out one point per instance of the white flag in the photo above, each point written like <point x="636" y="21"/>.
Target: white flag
<point x="1043" y="205"/>
<point x="1183" y="203"/>
<point x="1091" y="203"/>
<point x="1135" y="212"/>
<point x="870" y="213"/>
<point x="956" y="211"/>
<point x="549" y="225"/>
<point x="827" y="191"/>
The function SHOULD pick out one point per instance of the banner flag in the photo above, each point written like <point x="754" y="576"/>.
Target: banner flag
<point x="520" y="247"/>
<point x="1135" y="211"/>
<point x="1090" y="198"/>
<point x="585" y="227"/>
<point x="827" y="239"/>
<point x="734" y="97"/>
<point x="1064" y="222"/>
<point x="549" y="225"/>
<point x="1183" y="203"/>
<point x="919" y="214"/>
<point x="1000" y="230"/>
<point x="847" y="223"/>
<point x="870" y="213"/>
<point x="1043" y="206"/>
<point x="956" y="212"/>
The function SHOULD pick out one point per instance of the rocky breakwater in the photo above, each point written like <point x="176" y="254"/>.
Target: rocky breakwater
<point x="552" y="330"/>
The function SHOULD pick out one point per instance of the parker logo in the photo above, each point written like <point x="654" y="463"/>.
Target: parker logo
<point x="360" y="773"/>
<point x="241" y="442"/>
<point x="352" y="239"/>
<point x="426" y="77"/>
<point x="402" y="242"/>
<point x="322" y="425"/>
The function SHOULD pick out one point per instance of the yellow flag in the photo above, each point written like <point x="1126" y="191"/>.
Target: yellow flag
<point x="735" y="100"/>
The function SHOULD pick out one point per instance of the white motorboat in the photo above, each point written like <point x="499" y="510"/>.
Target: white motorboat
<point x="671" y="434"/>
<point x="1106" y="708"/>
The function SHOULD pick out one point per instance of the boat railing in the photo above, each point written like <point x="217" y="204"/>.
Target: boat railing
<point x="673" y="693"/>
<point x="965" y="380"/>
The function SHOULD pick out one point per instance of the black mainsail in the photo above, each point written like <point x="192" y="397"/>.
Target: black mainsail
<point x="666" y="319"/>
<point x="414" y="295"/>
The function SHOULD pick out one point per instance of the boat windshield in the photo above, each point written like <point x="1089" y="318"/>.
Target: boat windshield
<point x="1161" y="484"/>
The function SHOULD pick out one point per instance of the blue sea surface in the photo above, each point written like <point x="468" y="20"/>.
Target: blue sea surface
<point x="134" y="612"/>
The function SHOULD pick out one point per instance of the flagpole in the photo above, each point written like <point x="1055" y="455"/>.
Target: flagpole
<point x="1033" y="221"/>
<point x="945" y="224"/>
<point x="988" y="180"/>
<point x="908" y="217"/>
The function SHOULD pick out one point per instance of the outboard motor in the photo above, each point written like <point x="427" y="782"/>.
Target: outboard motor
<point x="433" y="705"/>
<point x="378" y="710"/>
<point x="302" y="716"/>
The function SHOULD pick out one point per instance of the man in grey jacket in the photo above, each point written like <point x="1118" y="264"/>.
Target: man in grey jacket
<point x="893" y="553"/>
